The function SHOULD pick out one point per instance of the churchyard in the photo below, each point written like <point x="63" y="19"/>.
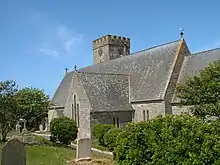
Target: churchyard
<point x="39" y="150"/>
<point x="166" y="139"/>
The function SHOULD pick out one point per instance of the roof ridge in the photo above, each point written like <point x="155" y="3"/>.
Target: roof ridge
<point x="205" y="51"/>
<point x="133" y="53"/>
<point x="119" y="74"/>
<point x="153" y="47"/>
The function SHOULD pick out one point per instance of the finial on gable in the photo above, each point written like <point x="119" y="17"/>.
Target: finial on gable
<point x="75" y="67"/>
<point x="66" y="70"/>
<point x="181" y="33"/>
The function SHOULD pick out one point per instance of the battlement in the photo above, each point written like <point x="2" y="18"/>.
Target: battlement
<point x="111" y="40"/>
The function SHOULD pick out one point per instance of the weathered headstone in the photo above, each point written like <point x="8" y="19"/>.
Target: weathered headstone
<point x="24" y="130"/>
<point x="13" y="153"/>
<point x="41" y="128"/>
<point x="18" y="128"/>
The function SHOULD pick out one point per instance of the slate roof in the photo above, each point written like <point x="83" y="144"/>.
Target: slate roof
<point x="61" y="94"/>
<point x="193" y="64"/>
<point x="149" y="70"/>
<point x="106" y="92"/>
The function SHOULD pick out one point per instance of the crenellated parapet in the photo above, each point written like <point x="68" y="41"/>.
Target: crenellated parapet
<point x="111" y="40"/>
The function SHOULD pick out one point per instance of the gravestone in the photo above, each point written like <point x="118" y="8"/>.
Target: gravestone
<point x="41" y="128"/>
<point x="24" y="130"/>
<point x="13" y="153"/>
<point x="18" y="128"/>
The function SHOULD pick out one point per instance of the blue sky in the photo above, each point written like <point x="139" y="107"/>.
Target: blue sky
<point x="39" y="38"/>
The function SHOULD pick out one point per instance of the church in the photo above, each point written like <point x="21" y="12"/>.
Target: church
<point x="121" y="87"/>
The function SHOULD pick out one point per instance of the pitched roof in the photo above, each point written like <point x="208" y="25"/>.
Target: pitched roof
<point x="106" y="92"/>
<point x="149" y="70"/>
<point x="193" y="64"/>
<point x="61" y="94"/>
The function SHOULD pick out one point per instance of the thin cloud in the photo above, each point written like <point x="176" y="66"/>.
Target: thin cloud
<point x="58" y="39"/>
<point x="68" y="38"/>
<point x="50" y="52"/>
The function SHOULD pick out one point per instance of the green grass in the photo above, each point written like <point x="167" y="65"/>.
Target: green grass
<point x="45" y="155"/>
<point x="48" y="155"/>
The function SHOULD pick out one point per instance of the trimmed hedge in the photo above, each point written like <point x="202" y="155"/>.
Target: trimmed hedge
<point x="169" y="140"/>
<point x="63" y="130"/>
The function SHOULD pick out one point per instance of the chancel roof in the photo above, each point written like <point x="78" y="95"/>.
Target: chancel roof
<point x="194" y="63"/>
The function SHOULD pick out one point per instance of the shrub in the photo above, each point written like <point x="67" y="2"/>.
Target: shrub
<point x="99" y="131"/>
<point x="169" y="140"/>
<point x="42" y="141"/>
<point x="110" y="138"/>
<point x="63" y="129"/>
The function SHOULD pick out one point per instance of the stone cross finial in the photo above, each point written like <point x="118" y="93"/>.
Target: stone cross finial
<point x="75" y="67"/>
<point x="66" y="70"/>
<point x="181" y="33"/>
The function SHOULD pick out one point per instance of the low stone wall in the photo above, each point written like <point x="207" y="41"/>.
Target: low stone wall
<point x="97" y="152"/>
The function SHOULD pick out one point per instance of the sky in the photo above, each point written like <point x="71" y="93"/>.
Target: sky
<point x="39" y="38"/>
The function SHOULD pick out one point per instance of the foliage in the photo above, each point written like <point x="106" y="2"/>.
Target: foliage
<point x="42" y="141"/>
<point x="63" y="129"/>
<point x="169" y="140"/>
<point x="202" y="91"/>
<point x="33" y="105"/>
<point x="99" y="131"/>
<point x="110" y="138"/>
<point x="8" y="90"/>
<point x="49" y="155"/>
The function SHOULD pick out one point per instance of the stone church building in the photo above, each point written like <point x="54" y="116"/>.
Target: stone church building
<point x="121" y="87"/>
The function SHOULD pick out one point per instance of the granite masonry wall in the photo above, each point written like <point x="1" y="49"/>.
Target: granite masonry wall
<point x="108" y="117"/>
<point x="172" y="82"/>
<point x="148" y="109"/>
<point x="177" y="110"/>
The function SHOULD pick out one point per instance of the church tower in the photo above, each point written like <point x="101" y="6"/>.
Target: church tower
<point x="110" y="47"/>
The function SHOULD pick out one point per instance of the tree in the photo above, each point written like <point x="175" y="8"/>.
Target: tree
<point x="8" y="107"/>
<point x="202" y="91"/>
<point x="63" y="130"/>
<point x="169" y="140"/>
<point x="33" y="106"/>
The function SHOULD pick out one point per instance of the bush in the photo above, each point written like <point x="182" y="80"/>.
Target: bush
<point x="169" y="140"/>
<point x="99" y="131"/>
<point x="110" y="138"/>
<point x="63" y="130"/>
<point x="42" y="141"/>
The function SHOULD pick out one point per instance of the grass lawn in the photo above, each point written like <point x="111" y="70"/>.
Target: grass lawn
<point x="45" y="155"/>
